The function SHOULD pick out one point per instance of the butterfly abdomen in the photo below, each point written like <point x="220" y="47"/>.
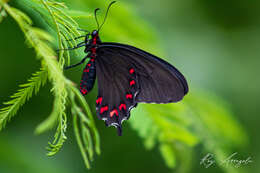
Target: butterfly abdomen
<point x="88" y="77"/>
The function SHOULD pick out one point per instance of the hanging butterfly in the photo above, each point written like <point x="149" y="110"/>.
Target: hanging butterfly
<point x="126" y="76"/>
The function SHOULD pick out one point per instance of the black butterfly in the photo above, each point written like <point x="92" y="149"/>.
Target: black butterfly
<point x="126" y="76"/>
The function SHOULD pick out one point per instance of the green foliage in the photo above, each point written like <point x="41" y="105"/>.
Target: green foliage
<point x="188" y="123"/>
<point x="219" y="132"/>
<point x="88" y="129"/>
<point x="62" y="87"/>
<point x="18" y="99"/>
<point x="2" y="13"/>
<point x="200" y="119"/>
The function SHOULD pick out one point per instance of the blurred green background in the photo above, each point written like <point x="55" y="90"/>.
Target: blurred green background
<point x="214" y="43"/>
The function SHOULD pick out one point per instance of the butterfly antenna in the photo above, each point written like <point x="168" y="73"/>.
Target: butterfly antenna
<point x="106" y="14"/>
<point x="96" y="10"/>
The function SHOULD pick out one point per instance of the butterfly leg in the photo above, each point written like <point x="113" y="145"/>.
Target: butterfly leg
<point x="84" y="30"/>
<point x="76" y="38"/>
<point x="74" y="65"/>
<point x="76" y="47"/>
<point x="85" y="36"/>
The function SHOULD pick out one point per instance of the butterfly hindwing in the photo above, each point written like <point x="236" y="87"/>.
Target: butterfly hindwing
<point x="117" y="88"/>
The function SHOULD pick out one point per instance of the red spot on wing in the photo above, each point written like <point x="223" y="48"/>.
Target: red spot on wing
<point x="129" y="96"/>
<point x="92" y="59"/>
<point x="83" y="91"/>
<point x="132" y="82"/>
<point x="86" y="70"/>
<point x="99" y="100"/>
<point x="103" y="109"/>
<point x="89" y="65"/>
<point x="131" y="71"/>
<point x="113" y="112"/>
<point x="122" y="106"/>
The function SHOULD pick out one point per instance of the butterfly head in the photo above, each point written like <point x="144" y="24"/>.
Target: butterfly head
<point x="95" y="38"/>
<point x="94" y="33"/>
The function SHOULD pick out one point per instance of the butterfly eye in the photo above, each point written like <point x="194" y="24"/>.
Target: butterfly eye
<point x="94" y="33"/>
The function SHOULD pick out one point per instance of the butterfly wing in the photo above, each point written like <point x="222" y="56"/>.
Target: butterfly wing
<point x="127" y="75"/>
<point x="159" y="81"/>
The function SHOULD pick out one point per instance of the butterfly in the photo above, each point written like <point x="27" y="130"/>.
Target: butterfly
<point x="126" y="76"/>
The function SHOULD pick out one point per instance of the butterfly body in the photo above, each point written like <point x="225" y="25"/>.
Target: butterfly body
<point x="127" y="76"/>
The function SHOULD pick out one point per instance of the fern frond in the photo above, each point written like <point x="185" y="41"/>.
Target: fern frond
<point x="87" y="119"/>
<point x="2" y="13"/>
<point x="37" y="40"/>
<point x="87" y="131"/>
<point x="59" y="112"/>
<point x="79" y="14"/>
<point x="37" y="80"/>
<point x="62" y="87"/>
<point x="64" y="24"/>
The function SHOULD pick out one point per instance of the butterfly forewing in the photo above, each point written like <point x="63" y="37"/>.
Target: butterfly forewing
<point x="159" y="81"/>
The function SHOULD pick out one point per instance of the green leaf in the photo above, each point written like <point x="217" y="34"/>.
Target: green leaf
<point x="199" y="118"/>
<point x="161" y="124"/>
<point x="168" y="155"/>
<point x="37" y="80"/>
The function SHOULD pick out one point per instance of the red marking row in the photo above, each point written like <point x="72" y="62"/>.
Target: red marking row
<point x="132" y="82"/>
<point x="103" y="109"/>
<point x="113" y="112"/>
<point x="99" y="100"/>
<point x="131" y="71"/>
<point x="129" y="96"/>
<point x="83" y="91"/>
<point x="122" y="106"/>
